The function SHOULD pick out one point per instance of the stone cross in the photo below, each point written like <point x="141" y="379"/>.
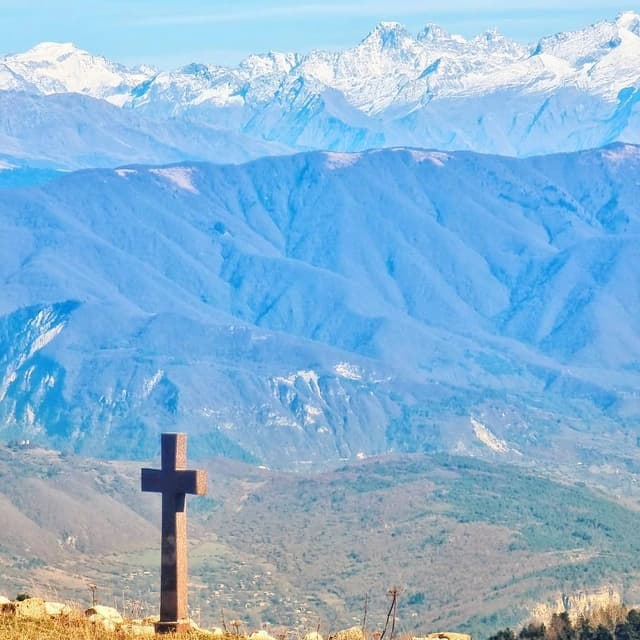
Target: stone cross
<point x="174" y="481"/>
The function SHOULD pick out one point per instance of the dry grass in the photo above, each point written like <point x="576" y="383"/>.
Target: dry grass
<point x="12" y="628"/>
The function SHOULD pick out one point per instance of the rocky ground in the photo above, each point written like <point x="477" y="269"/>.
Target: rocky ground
<point x="33" y="618"/>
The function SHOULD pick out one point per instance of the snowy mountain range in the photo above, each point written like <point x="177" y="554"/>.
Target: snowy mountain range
<point x="327" y="306"/>
<point x="567" y="92"/>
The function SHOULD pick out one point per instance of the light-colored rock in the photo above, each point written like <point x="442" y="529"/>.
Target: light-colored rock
<point x="106" y="617"/>
<point x="107" y="613"/>
<point x="104" y="623"/>
<point x="261" y="635"/>
<point x="313" y="635"/>
<point x="195" y="627"/>
<point x="4" y="600"/>
<point x="151" y="619"/>
<point x="579" y="604"/>
<point x="57" y="609"/>
<point x="31" y="608"/>
<point x="443" y="635"/>
<point x="138" y="629"/>
<point x="354" y="633"/>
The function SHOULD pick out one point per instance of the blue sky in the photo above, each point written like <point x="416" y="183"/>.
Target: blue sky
<point x="169" y="33"/>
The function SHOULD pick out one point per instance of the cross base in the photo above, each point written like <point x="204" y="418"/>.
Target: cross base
<point x="173" y="627"/>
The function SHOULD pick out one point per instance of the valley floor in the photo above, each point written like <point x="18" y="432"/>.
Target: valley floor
<point x="474" y="545"/>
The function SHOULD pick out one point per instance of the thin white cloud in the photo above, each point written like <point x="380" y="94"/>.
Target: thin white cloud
<point x="254" y="14"/>
<point x="398" y="8"/>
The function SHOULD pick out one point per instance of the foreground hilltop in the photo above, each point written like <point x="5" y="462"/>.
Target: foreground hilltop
<point x="489" y="94"/>
<point x="327" y="306"/>
<point x="473" y="546"/>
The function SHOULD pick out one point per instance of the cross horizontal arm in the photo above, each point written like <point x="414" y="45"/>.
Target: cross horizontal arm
<point x="174" y="482"/>
<point x="193" y="482"/>
<point x="152" y="480"/>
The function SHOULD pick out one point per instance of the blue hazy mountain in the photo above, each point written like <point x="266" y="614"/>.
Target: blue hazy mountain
<point x="325" y="306"/>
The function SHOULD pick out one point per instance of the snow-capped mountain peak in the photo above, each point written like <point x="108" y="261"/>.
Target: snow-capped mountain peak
<point x="389" y="40"/>
<point x="490" y="37"/>
<point x="54" y="67"/>
<point x="388" y="35"/>
<point x="49" y="51"/>
<point x="435" y="33"/>
<point x="629" y="20"/>
<point x="492" y="42"/>
<point x="593" y="43"/>
<point x="257" y="65"/>
<point x="11" y="81"/>
<point x="195" y="69"/>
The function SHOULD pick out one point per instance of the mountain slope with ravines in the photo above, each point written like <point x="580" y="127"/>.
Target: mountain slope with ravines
<point x="324" y="307"/>
<point x="489" y="94"/>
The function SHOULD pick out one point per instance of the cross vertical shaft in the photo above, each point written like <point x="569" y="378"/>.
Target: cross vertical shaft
<point x="174" y="482"/>
<point x="173" y="564"/>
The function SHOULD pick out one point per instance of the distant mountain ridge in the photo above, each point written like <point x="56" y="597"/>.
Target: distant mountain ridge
<point x="326" y="306"/>
<point x="434" y="63"/>
<point x="568" y="92"/>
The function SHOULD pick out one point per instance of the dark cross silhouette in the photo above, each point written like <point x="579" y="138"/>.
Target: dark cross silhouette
<point x="174" y="481"/>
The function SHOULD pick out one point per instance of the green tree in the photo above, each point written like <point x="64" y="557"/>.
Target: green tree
<point x="532" y="632"/>
<point x="624" y="631"/>
<point x="585" y="629"/>
<point x="633" y="620"/>
<point x="504" y="634"/>
<point x="602" y="633"/>
<point x="561" y="628"/>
